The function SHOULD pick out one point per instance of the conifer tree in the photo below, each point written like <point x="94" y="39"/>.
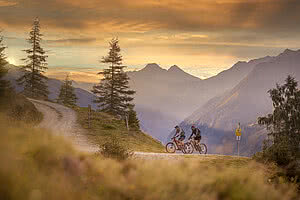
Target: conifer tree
<point x="114" y="94"/>
<point x="67" y="95"/>
<point x="133" y="120"/>
<point x="33" y="79"/>
<point x="3" y="71"/>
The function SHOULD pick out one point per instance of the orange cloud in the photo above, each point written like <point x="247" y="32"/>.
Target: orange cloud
<point x="78" y="74"/>
<point x="157" y="30"/>
<point x="142" y="16"/>
<point x="5" y="3"/>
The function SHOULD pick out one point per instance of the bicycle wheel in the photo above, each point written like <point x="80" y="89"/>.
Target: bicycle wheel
<point x="170" y="147"/>
<point x="202" y="148"/>
<point x="189" y="149"/>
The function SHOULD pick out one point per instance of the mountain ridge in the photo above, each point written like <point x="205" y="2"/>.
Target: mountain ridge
<point x="85" y="97"/>
<point x="246" y="101"/>
<point x="173" y="98"/>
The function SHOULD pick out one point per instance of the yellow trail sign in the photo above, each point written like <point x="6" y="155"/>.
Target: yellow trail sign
<point x="238" y="132"/>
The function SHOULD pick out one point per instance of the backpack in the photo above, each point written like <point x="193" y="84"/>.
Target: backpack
<point x="182" y="133"/>
<point x="198" y="132"/>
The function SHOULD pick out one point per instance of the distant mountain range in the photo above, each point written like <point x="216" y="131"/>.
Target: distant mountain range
<point x="165" y="97"/>
<point x="244" y="103"/>
<point x="84" y="97"/>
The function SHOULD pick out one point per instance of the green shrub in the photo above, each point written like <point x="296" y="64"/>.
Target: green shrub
<point x="113" y="149"/>
<point x="108" y="127"/>
<point x="292" y="172"/>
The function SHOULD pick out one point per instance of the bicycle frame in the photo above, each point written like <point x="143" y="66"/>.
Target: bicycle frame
<point x="200" y="147"/>
<point x="195" y="145"/>
<point x="177" y="143"/>
<point x="178" y="146"/>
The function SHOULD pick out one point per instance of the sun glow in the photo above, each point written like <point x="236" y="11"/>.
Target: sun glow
<point x="11" y="61"/>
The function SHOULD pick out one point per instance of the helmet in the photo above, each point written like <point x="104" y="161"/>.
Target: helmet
<point x="176" y="126"/>
<point x="193" y="127"/>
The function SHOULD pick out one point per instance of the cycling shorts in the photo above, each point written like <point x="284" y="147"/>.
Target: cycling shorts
<point x="181" y="138"/>
<point x="198" y="138"/>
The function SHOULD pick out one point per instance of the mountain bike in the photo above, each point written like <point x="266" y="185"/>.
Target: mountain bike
<point x="175" y="145"/>
<point x="192" y="145"/>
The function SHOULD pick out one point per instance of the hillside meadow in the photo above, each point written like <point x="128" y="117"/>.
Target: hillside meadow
<point x="105" y="127"/>
<point x="36" y="164"/>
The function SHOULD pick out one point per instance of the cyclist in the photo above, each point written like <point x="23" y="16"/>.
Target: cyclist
<point x="196" y="134"/>
<point x="181" y="134"/>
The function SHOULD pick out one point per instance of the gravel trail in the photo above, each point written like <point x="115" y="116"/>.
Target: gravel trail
<point x="62" y="120"/>
<point x="180" y="156"/>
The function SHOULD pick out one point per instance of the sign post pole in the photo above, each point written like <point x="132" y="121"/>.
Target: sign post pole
<point x="238" y="133"/>
<point x="126" y="119"/>
<point x="89" y="115"/>
<point x="238" y="147"/>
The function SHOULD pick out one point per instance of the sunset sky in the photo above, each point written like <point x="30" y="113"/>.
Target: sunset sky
<point x="201" y="36"/>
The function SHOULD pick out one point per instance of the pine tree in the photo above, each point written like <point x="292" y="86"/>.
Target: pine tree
<point x="35" y="66"/>
<point x="3" y="71"/>
<point x="284" y="124"/>
<point x="114" y="94"/>
<point x="133" y="120"/>
<point x="67" y="95"/>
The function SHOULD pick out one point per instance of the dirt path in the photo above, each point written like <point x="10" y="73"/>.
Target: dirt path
<point x="63" y="121"/>
<point x="179" y="156"/>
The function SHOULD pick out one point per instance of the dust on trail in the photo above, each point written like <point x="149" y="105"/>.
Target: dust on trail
<point x="62" y="121"/>
<point x="179" y="156"/>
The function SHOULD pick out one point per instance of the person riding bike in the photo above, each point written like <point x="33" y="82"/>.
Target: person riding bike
<point x="196" y="134"/>
<point x="179" y="133"/>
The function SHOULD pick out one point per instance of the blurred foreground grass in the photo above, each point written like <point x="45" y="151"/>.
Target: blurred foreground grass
<point x="104" y="127"/>
<point x="38" y="165"/>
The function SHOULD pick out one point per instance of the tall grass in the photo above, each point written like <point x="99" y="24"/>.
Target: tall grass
<point x="38" y="165"/>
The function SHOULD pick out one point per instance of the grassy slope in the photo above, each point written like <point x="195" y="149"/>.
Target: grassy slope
<point x="16" y="107"/>
<point x="104" y="126"/>
<point x="39" y="165"/>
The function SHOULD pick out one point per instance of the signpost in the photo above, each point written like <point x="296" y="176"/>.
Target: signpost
<point x="126" y="120"/>
<point x="89" y="115"/>
<point x="238" y="133"/>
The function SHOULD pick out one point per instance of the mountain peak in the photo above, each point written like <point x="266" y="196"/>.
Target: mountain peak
<point x="239" y="64"/>
<point x="152" y="67"/>
<point x="175" y="68"/>
<point x="176" y="71"/>
<point x="288" y="53"/>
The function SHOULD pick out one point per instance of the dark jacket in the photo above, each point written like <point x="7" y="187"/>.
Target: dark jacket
<point x="196" y="132"/>
<point x="179" y="132"/>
